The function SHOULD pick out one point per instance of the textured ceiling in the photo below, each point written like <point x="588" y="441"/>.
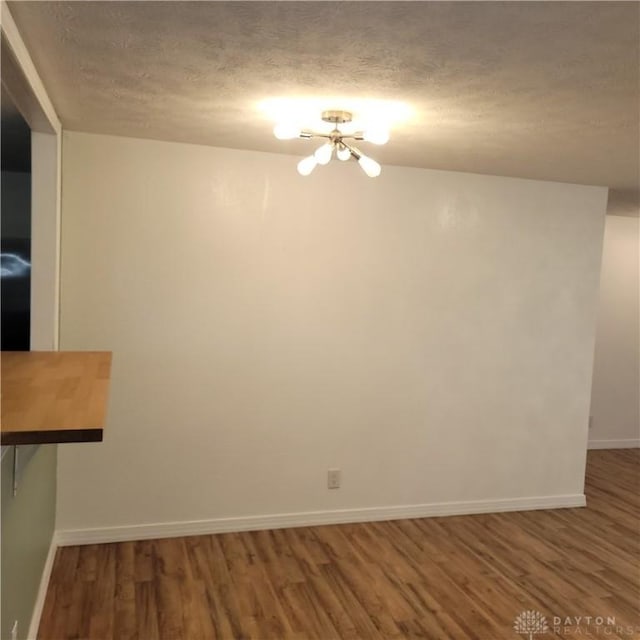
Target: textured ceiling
<point x="546" y="90"/>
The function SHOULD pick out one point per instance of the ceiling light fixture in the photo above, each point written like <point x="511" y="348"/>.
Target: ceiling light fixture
<point x="335" y="142"/>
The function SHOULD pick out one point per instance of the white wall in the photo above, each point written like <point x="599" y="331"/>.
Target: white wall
<point x="429" y="333"/>
<point x="615" y="401"/>
<point x="46" y="155"/>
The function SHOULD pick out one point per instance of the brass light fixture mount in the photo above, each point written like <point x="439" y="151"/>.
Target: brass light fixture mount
<point x="337" y="117"/>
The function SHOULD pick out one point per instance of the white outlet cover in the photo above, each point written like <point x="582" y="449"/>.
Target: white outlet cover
<point x="333" y="478"/>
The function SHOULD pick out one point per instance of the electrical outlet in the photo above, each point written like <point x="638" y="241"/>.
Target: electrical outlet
<point x="333" y="478"/>
<point x="14" y="630"/>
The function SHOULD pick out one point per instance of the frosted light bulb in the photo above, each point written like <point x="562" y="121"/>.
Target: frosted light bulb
<point x="343" y="153"/>
<point x="286" y="131"/>
<point x="369" y="166"/>
<point x="377" y="135"/>
<point x="307" y="165"/>
<point x="323" y="153"/>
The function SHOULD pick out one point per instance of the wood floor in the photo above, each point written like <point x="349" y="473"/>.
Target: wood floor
<point x="464" y="577"/>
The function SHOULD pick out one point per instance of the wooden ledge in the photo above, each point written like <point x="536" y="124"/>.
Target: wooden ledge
<point x="53" y="396"/>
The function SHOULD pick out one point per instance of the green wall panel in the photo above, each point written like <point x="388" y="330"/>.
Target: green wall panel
<point x="28" y="521"/>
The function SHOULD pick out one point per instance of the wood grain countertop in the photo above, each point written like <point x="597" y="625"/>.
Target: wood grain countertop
<point x="53" y="396"/>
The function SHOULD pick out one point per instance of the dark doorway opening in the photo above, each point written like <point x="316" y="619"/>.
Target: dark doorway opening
<point x="15" y="228"/>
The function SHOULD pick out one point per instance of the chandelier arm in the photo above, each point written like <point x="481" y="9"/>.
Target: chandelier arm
<point x="352" y="150"/>
<point x="355" y="153"/>
<point x="312" y="134"/>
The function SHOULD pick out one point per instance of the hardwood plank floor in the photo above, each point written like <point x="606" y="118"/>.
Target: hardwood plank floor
<point x="462" y="577"/>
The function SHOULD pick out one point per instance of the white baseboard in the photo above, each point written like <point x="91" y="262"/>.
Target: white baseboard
<point x="68" y="537"/>
<point x="629" y="443"/>
<point x="42" y="589"/>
